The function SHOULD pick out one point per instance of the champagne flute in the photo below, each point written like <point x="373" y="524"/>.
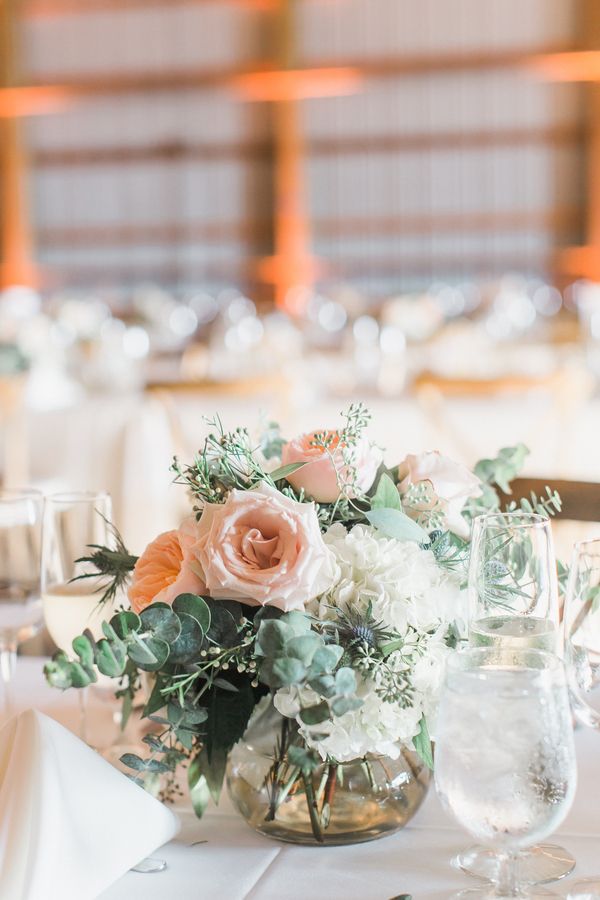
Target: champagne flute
<point x="21" y="514"/>
<point x="582" y="649"/>
<point x="513" y="604"/>
<point x="505" y="755"/>
<point x="72" y="523"/>
<point x="513" y="589"/>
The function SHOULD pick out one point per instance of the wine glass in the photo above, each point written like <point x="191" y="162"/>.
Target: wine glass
<point x="21" y="514"/>
<point x="73" y="522"/>
<point x="505" y="755"/>
<point x="582" y="648"/>
<point x="513" y="604"/>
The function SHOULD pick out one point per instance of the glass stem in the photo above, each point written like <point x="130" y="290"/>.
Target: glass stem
<point x="507" y="883"/>
<point x="8" y="664"/>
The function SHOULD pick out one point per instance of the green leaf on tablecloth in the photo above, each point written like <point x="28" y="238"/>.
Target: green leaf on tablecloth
<point x="195" y="606"/>
<point x="161" y="621"/>
<point x="393" y="523"/>
<point x="386" y="496"/>
<point x="422" y="744"/>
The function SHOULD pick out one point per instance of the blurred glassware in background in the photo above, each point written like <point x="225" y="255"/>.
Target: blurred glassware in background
<point x="586" y="296"/>
<point x="582" y="651"/>
<point x="20" y="567"/>
<point x="75" y="523"/>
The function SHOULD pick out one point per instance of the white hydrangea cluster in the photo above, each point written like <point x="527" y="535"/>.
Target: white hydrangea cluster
<point x="410" y="595"/>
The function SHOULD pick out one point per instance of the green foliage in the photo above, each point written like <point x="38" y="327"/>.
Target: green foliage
<point x="294" y="655"/>
<point x="503" y="468"/>
<point x="422" y="744"/>
<point x="393" y="523"/>
<point x="386" y="496"/>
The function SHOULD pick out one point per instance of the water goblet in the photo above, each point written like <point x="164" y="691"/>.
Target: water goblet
<point x="21" y="514"/>
<point x="505" y="756"/>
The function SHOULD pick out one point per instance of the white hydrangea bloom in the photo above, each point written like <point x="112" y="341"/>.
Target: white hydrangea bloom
<point x="409" y="594"/>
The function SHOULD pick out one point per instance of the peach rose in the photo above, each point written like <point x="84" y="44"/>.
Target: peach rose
<point x="324" y="471"/>
<point x="166" y="568"/>
<point x="452" y="484"/>
<point x="263" y="548"/>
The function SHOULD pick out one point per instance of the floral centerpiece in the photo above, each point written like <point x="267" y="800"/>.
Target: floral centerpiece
<point x="296" y="625"/>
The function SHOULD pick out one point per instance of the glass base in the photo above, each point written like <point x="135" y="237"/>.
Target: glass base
<point x="488" y="893"/>
<point x="538" y="865"/>
<point x="586" y="889"/>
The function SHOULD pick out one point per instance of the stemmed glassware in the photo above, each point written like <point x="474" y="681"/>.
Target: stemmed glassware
<point x="20" y="556"/>
<point x="72" y="523"/>
<point x="582" y="649"/>
<point x="505" y="755"/>
<point x="513" y="605"/>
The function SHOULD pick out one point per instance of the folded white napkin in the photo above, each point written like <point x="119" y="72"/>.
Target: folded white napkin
<point x="70" y="823"/>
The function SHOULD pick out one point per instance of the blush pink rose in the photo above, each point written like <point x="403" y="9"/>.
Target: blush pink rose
<point x="166" y="568"/>
<point x="453" y="484"/>
<point x="325" y="471"/>
<point x="263" y="548"/>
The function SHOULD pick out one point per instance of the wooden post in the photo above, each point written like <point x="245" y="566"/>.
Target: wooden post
<point x="16" y="257"/>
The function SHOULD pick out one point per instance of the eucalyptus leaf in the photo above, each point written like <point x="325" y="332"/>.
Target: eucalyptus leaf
<point x="195" y="606"/>
<point x="133" y="761"/>
<point x="284" y="471"/>
<point x="161" y="621"/>
<point x="314" y="715"/>
<point x="125" y="622"/>
<point x="303" y="647"/>
<point x="289" y="671"/>
<point x="345" y="681"/>
<point x="188" y="645"/>
<point x="342" y="705"/>
<point x="111" y="658"/>
<point x="85" y="651"/>
<point x="396" y="524"/>
<point x="149" y="654"/>
<point x="386" y="496"/>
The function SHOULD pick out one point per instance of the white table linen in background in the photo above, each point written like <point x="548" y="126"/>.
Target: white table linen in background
<point x="125" y="444"/>
<point x="237" y="864"/>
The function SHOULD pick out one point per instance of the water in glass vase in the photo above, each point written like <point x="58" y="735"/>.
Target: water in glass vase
<point x="514" y="633"/>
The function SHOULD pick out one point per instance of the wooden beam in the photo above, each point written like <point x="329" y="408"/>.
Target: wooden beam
<point x="51" y="8"/>
<point x="16" y="252"/>
<point x="250" y="151"/>
<point x="94" y="85"/>
<point x="259" y="229"/>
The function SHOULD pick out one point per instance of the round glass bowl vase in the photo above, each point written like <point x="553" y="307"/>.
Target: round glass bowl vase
<point x="343" y="803"/>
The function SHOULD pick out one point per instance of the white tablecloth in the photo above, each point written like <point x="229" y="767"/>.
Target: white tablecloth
<point x="237" y="864"/>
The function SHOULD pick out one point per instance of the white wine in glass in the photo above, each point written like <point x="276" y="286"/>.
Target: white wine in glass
<point x="71" y="589"/>
<point x="20" y="567"/>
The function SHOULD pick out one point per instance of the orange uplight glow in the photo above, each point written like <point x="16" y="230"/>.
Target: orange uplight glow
<point x="297" y="84"/>
<point x="33" y="101"/>
<point x="581" y="262"/>
<point x="576" y="65"/>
